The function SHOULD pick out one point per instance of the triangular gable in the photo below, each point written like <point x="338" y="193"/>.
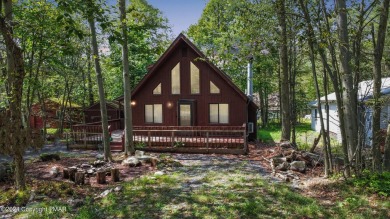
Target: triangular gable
<point x="167" y="53"/>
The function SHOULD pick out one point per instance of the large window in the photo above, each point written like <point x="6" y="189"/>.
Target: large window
<point x="195" y="85"/>
<point x="219" y="113"/>
<point x="213" y="88"/>
<point x="153" y="113"/>
<point x="175" y="77"/>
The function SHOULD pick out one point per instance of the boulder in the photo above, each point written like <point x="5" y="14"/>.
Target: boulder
<point x="105" y="193"/>
<point x="139" y="153"/>
<point x="75" y="203"/>
<point x="100" y="156"/>
<point x="283" y="166"/>
<point x="159" y="173"/>
<point x="85" y="166"/>
<point x="275" y="161"/>
<point x="131" y="162"/>
<point x="118" y="188"/>
<point x="98" y="163"/>
<point x="298" y="166"/>
<point x="54" y="171"/>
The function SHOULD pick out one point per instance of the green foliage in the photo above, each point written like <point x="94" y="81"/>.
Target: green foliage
<point x="55" y="189"/>
<point x="148" y="37"/>
<point x="140" y="144"/>
<point x="13" y="197"/>
<point x="374" y="182"/>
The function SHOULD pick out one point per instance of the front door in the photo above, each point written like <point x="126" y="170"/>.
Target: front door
<point x="186" y="113"/>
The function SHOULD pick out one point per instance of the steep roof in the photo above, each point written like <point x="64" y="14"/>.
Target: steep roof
<point x="365" y="91"/>
<point x="181" y="38"/>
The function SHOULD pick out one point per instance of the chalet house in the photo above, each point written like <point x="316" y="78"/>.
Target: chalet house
<point x="114" y="111"/>
<point x="184" y="89"/>
<point x="53" y="106"/>
<point x="365" y="113"/>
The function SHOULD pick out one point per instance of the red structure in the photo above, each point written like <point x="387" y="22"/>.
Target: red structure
<point x="114" y="111"/>
<point x="53" y="109"/>
<point x="184" y="89"/>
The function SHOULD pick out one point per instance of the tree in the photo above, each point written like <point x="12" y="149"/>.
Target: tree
<point x="285" y="88"/>
<point x="378" y="54"/>
<point x="15" y="138"/>
<point x="129" y="145"/>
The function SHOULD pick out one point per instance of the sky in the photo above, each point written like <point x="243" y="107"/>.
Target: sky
<point x="180" y="13"/>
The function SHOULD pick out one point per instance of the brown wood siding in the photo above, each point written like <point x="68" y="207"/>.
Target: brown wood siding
<point x="237" y="105"/>
<point x="92" y="114"/>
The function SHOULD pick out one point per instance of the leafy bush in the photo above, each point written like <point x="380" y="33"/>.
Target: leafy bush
<point x="374" y="182"/>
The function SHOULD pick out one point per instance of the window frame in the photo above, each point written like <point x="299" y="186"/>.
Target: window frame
<point x="153" y="114"/>
<point x="218" y="113"/>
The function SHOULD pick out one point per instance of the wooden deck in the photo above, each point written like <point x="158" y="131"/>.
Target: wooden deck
<point x="225" y="140"/>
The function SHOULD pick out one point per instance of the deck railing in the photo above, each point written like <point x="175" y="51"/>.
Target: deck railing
<point x="174" y="138"/>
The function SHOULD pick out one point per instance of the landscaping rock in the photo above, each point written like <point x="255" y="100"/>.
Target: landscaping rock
<point x="139" y="153"/>
<point x="99" y="163"/>
<point x="105" y="193"/>
<point x="55" y="171"/>
<point x="49" y="157"/>
<point x="85" y="166"/>
<point x="159" y="173"/>
<point x="75" y="203"/>
<point x="100" y="156"/>
<point x="118" y="188"/>
<point x="131" y="162"/>
<point x="283" y="166"/>
<point x="275" y="161"/>
<point x="298" y="166"/>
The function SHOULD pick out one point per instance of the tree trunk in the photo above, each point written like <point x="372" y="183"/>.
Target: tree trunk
<point x="349" y="101"/>
<point x="285" y="88"/>
<point x="15" y="78"/>
<point x="378" y="54"/>
<point x="386" y="160"/>
<point x="311" y="43"/>
<point x="129" y="145"/>
<point x="89" y="78"/>
<point x="103" y="106"/>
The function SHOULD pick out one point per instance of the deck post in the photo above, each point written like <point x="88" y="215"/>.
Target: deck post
<point x="172" y="136"/>
<point x="85" y="138"/>
<point x="149" y="142"/>
<point x="207" y="140"/>
<point x="245" y="142"/>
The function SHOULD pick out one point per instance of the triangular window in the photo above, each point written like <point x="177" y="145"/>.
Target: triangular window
<point x="157" y="90"/>
<point x="213" y="88"/>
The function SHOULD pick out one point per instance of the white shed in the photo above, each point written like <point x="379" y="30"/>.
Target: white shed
<point x="364" y="94"/>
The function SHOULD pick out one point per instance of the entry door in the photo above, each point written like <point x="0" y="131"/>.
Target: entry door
<point x="186" y="114"/>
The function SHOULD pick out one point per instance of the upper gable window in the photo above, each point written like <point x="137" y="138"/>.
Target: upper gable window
<point x="195" y="85"/>
<point x="157" y="90"/>
<point x="175" y="78"/>
<point x="213" y="88"/>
